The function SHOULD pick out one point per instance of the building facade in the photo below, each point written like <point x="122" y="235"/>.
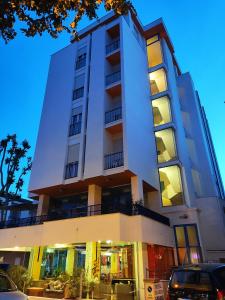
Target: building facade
<point x="124" y="168"/>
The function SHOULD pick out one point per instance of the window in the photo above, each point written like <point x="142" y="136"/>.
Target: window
<point x="75" y="126"/>
<point x="81" y="58"/>
<point x="161" y="111"/>
<point x="165" y="142"/>
<point x="158" y="82"/>
<point x="196" y="280"/>
<point x="187" y="242"/>
<point x="154" y="52"/>
<point x="6" y="285"/>
<point x="171" y="186"/>
<point x="79" y="87"/>
<point x="72" y="161"/>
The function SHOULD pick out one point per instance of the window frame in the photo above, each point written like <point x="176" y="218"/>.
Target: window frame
<point x="160" y="93"/>
<point x="170" y="111"/>
<point x="175" y="158"/>
<point x="187" y="244"/>
<point x="181" y="180"/>
<point x="158" y="40"/>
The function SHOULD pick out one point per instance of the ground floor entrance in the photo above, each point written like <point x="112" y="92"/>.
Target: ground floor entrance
<point x="92" y="270"/>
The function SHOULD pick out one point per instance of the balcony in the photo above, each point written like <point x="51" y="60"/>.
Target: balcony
<point x="78" y="93"/>
<point x="113" y="84"/>
<point x="115" y="45"/>
<point x="71" y="170"/>
<point x="113" y="115"/>
<point x="113" y="160"/>
<point x="81" y="63"/>
<point x="113" y="78"/>
<point x="85" y="211"/>
<point x="75" y="129"/>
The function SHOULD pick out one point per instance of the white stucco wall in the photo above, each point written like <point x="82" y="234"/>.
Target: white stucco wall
<point x="139" y="143"/>
<point x="202" y="162"/>
<point x="115" y="227"/>
<point x="51" y="148"/>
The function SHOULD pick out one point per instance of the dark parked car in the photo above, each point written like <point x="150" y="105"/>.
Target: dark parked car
<point x="197" y="282"/>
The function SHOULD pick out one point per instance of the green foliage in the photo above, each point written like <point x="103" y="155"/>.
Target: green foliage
<point x="51" y="16"/>
<point x="19" y="276"/>
<point x="12" y="165"/>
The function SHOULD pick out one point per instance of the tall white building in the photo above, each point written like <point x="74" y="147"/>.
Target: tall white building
<point x="124" y="167"/>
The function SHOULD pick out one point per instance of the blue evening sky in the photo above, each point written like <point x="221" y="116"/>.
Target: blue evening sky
<point x="197" y="29"/>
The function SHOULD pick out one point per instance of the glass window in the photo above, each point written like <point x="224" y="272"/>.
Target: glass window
<point x="161" y="111"/>
<point x="188" y="247"/>
<point x="6" y="285"/>
<point x="154" y="53"/>
<point x="171" y="186"/>
<point x="192" y="235"/>
<point x="220" y="276"/>
<point x="196" y="280"/>
<point x="165" y="142"/>
<point x="180" y="236"/>
<point x="158" y="81"/>
<point x="153" y="39"/>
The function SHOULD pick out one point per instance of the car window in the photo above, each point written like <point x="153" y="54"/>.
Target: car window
<point x="220" y="276"/>
<point x="191" y="279"/>
<point x="6" y="285"/>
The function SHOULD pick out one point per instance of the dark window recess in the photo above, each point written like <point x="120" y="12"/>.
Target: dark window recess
<point x="112" y="46"/>
<point x="81" y="61"/>
<point x="78" y="93"/>
<point x="114" y="77"/>
<point x="75" y="127"/>
<point x="113" y="115"/>
<point x="113" y="160"/>
<point x="71" y="170"/>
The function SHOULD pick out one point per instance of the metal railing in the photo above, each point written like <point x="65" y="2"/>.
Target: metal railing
<point x="75" y="129"/>
<point x="112" y="78"/>
<point x="80" y="63"/>
<point x="85" y="211"/>
<point x="78" y="93"/>
<point x="112" y="46"/>
<point x="113" y="160"/>
<point x="113" y="115"/>
<point x="71" y="170"/>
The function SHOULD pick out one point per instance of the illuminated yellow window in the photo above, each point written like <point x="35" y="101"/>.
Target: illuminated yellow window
<point x="161" y="111"/>
<point x="158" y="81"/>
<point x="154" y="52"/>
<point x="165" y="142"/>
<point x="171" y="186"/>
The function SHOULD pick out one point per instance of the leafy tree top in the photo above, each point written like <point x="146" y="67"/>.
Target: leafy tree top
<point x="51" y="16"/>
<point x="14" y="165"/>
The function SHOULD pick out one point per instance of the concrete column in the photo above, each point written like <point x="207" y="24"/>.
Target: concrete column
<point x="94" y="194"/>
<point x="92" y="261"/>
<point x="141" y="264"/>
<point x="43" y="205"/>
<point x="35" y="262"/>
<point x="137" y="189"/>
<point x="94" y="198"/>
<point x="70" y="261"/>
<point x="114" y="263"/>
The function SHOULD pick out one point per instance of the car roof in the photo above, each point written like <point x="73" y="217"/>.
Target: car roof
<point x="208" y="267"/>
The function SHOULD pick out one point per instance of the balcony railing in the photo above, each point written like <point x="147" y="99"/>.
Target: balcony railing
<point x="112" y="46"/>
<point x="85" y="211"/>
<point x="71" y="170"/>
<point x="75" y="129"/>
<point x="113" y="115"/>
<point x="78" y="93"/>
<point x="113" y="160"/>
<point x="112" y="78"/>
<point x="80" y="63"/>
